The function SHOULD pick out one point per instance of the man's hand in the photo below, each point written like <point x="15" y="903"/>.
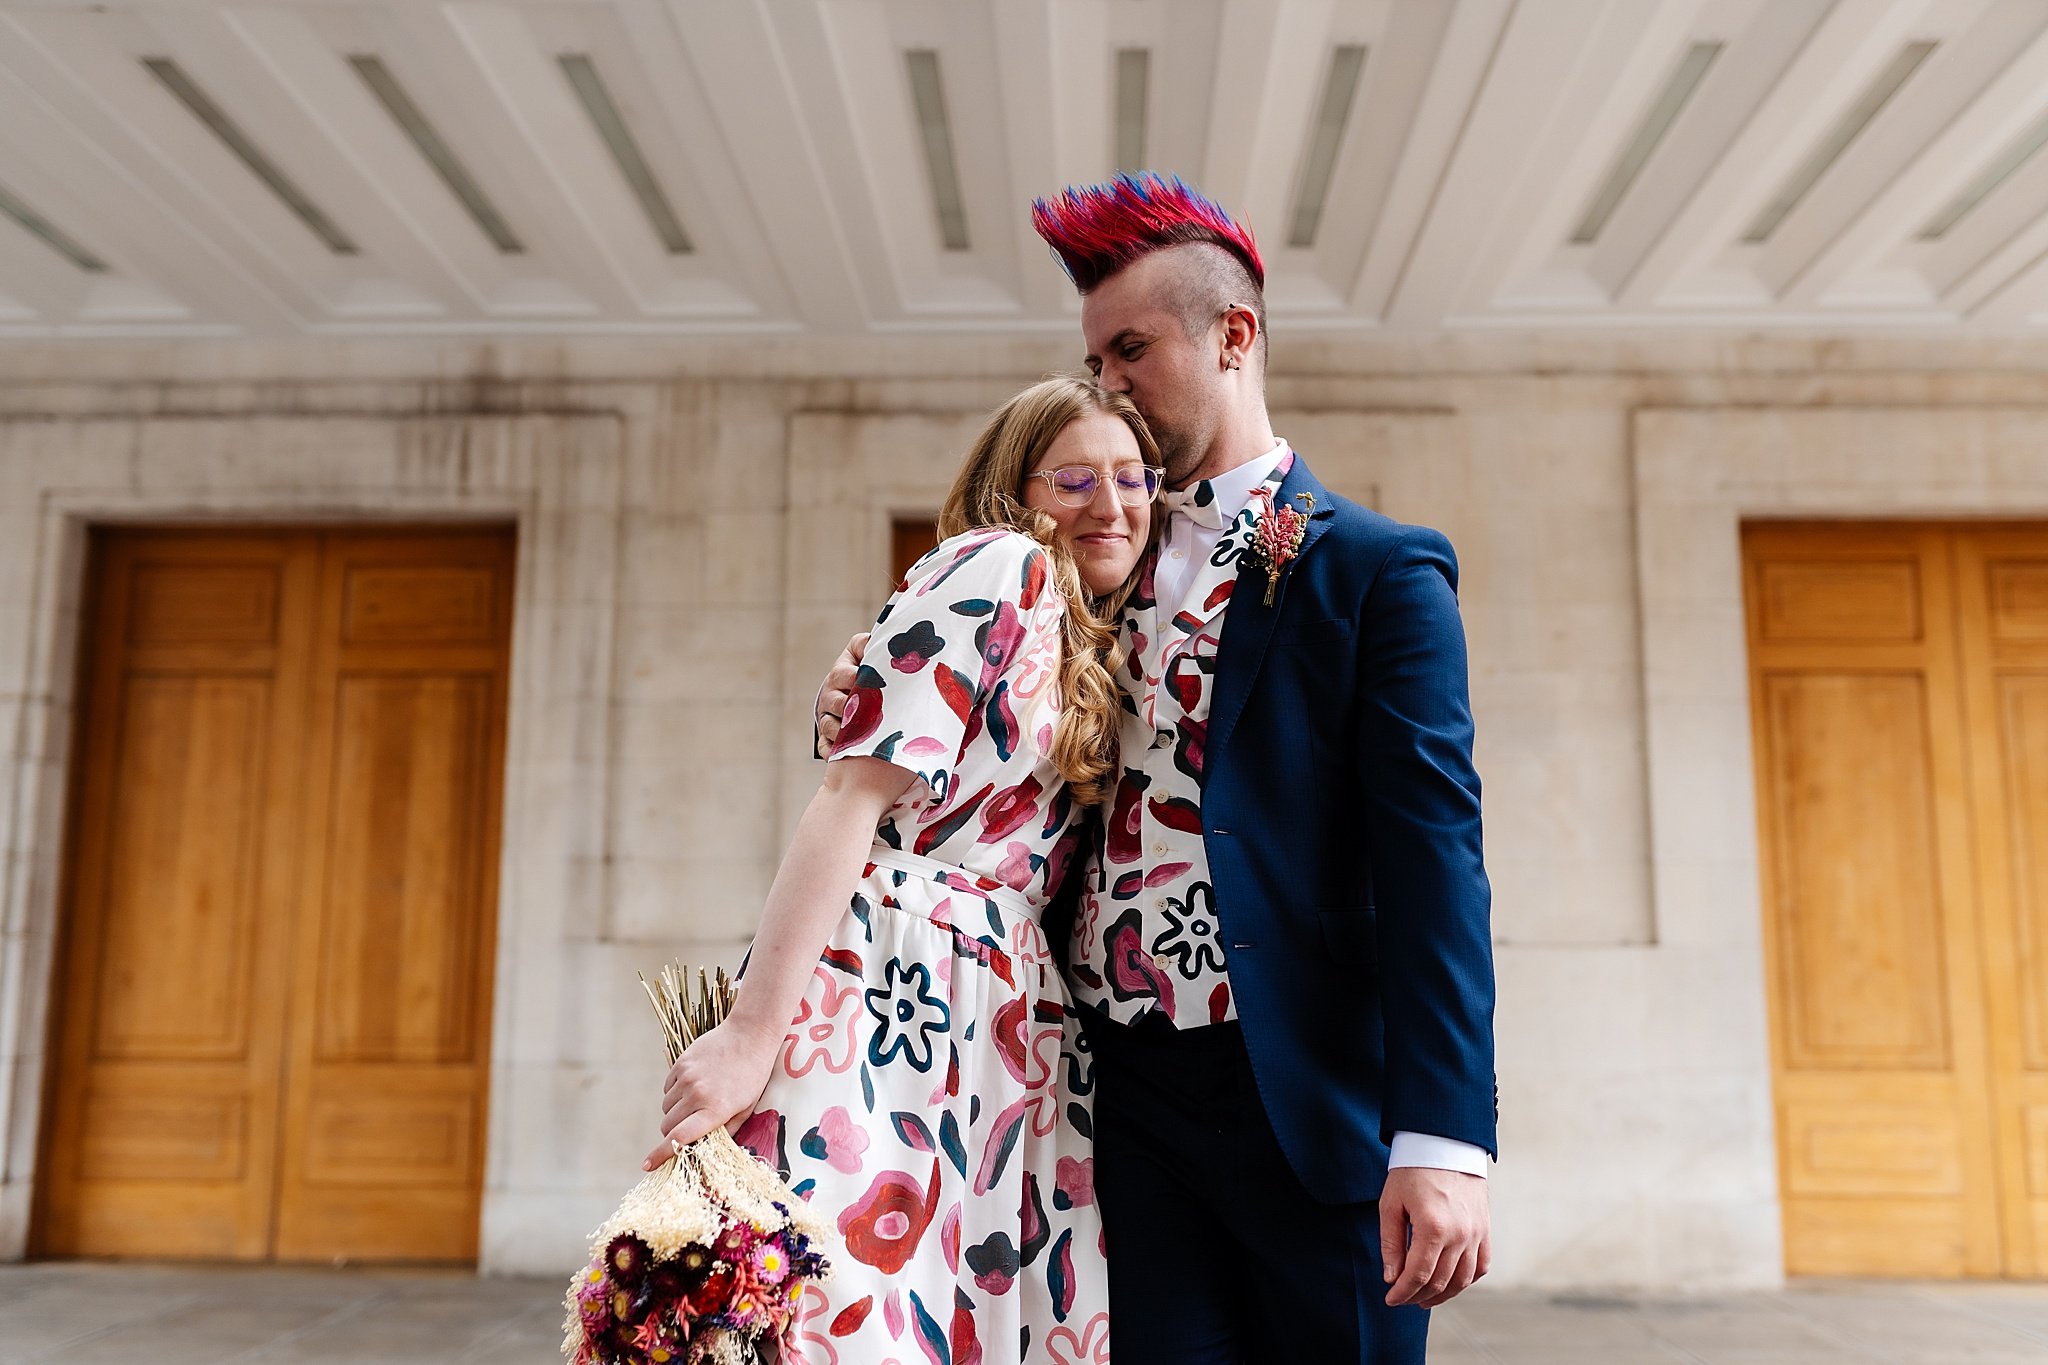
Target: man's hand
<point x="838" y="686"/>
<point x="1436" y="1237"/>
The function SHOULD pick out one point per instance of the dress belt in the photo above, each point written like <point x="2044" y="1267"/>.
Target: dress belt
<point x="931" y="869"/>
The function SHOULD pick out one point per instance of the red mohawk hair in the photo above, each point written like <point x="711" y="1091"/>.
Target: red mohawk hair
<point x="1097" y="230"/>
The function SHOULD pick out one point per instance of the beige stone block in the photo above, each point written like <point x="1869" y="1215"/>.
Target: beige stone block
<point x="1535" y="703"/>
<point x="1589" y="1239"/>
<point x="574" y="463"/>
<point x="1702" y="798"/>
<point x="743" y="560"/>
<point x="1710" y="902"/>
<point x="41" y="455"/>
<point x="1696" y="652"/>
<point x="560" y="728"/>
<point x="557" y="806"/>
<point x="1708" y="1010"/>
<point x="21" y="556"/>
<point x="564" y="1127"/>
<point x="24" y="639"/>
<point x="2016" y="461"/>
<point x="698" y="900"/>
<point x="1690" y="555"/>
<point x="1680" y="454"/>
<point x="538" y="1232"/>
<point x="1568" y="639"/>
<point x="838" y="558"/>
<point x="548" y="896"/>
<point x="696" y="780"/>
<point x="700" y="654"/>
<point x="662" y="560"/>
<point x="1571" y="1017"/>
<point x="1531" y="554"/>
<point x="577" y="558"/>
<point x="743" y="468"/>
<point x="1547" y="778"/>
<point x="1553" y="457"/>
<point x="1559" y="902"/>
<point x="563" y="649"/>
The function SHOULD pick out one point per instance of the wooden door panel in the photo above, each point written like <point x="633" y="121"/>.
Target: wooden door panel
<point x="1886" y="1162"/>
<point x="2002" y="576"/>
<point x="2022" y="700"/>
<point x="2017" y="589"/>
<point x="420" y="604"/>
<point x="385" y="1109"/>
<point x="403" y="899"/>
<point x="1858" y="923"/>
<point x="386" y="1138"/>
<point x="137" y="1129"/>
<point x="1910" y="1144"/>
<point x="190" y="747"/>
<point x="280" y="898"/>
<point x="1872" y="599"/>
<point x="163" y="1107"/>
<point x="1917" y="1238"/>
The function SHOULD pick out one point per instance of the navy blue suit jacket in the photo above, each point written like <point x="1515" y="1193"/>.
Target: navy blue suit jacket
<point x="1340" y="813"/>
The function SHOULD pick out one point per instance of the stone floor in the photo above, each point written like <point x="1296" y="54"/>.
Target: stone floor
<point x="84" y="1314"/>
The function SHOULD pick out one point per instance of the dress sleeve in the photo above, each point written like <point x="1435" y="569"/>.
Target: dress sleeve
<point x="938" y="648"/>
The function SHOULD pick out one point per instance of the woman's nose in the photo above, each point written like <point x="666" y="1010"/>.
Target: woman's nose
<point x="1106" y="503"/>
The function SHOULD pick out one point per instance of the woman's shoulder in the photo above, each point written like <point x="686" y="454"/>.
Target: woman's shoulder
<point x="998" y="560"/>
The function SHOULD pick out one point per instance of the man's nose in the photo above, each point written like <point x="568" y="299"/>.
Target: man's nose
<point x="1112" y="378"/>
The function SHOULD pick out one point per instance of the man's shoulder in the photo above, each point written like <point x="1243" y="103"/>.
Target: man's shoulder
<point x="1376" y="538"/>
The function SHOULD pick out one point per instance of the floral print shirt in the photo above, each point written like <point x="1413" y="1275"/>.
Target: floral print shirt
<point x="1146" y="936"/>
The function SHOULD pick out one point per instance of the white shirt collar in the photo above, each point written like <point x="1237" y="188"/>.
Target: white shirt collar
<point x="1233" y="487"/>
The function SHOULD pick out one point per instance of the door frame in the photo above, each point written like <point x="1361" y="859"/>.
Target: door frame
<point x="1699" y="474"/>
<point x="558" y="480"/>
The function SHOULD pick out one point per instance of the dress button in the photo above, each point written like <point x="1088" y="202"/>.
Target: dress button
<point x="1159" y="904"/>
<point x="1159" y="848"/>
<point x="1180" y="554"/>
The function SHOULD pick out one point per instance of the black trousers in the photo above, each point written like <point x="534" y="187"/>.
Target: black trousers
<point x="1217" y="1254"/>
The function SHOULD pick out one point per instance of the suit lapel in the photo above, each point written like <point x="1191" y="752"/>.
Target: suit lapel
<point x="1248" y="625"/>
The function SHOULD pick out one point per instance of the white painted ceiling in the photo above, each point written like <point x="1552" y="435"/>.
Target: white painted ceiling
<point x="1837" y="165"/>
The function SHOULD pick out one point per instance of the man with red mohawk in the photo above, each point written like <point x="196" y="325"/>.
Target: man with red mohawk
<point x="1281" y="946"/>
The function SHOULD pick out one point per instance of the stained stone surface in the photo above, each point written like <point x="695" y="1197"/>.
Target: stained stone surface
<point x="84" y="1314"/>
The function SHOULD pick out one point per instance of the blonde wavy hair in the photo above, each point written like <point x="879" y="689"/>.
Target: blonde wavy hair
<point x="990" y="492"/>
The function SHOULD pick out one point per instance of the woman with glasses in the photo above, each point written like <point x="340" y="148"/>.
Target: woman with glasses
<point x="903" y="1047"/>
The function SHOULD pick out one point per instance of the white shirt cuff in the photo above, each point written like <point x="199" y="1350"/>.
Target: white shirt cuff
<point x="1437" y="1153"/>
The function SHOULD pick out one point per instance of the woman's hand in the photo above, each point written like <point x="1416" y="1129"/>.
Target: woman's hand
<point x="715" y="1081"/>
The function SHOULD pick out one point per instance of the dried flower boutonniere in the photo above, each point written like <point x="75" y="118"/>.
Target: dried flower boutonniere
<point x="1276" y="535"/>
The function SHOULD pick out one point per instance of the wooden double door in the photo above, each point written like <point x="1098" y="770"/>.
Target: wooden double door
<point x="1899" y="690"/>
<point x="274" y="991"/>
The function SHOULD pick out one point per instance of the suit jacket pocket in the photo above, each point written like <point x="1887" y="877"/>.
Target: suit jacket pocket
<point x="1334" y="630"/>
<point x="1350" y="935"/>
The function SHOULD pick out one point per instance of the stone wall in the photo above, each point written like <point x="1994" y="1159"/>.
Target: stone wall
<point x="701" y="527"/>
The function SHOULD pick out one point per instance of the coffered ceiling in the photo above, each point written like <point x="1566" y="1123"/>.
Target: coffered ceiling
<point x="862" y="167"/>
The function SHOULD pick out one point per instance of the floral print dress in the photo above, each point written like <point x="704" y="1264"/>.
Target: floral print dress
<point x="932" y="1097"/>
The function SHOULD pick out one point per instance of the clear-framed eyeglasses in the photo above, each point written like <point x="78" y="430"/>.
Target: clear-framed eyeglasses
<point x="1075" y="484"/>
